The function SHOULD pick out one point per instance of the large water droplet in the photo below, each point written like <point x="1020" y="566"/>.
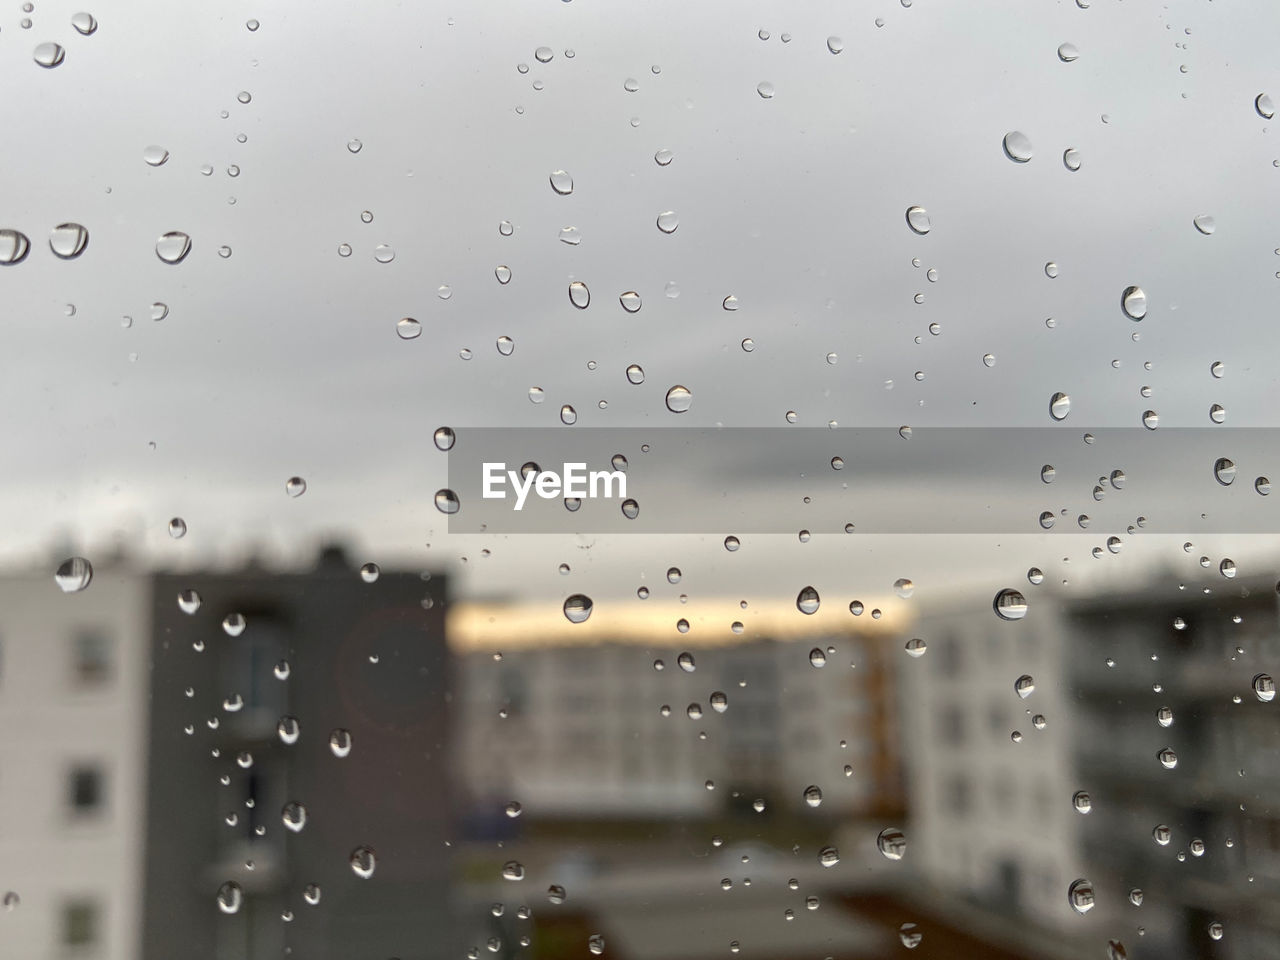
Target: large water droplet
<point x="447" y="501"/>
<point x="14" y="247"/>
<point x="408" y="328"/>
<point x="577" y="608"/>
<point x="808" y="601"/>
<point x="668" y="221"/>
<point x="817" y="658"/>
<point x="294" y="816"/>
<point x="679" y="399"/>
<point x="1224" y="471"/>
<point x="835" y="44"/>
<point x="73" y="575"/>
<point x="444" y="438"/>
<point x="568" y="415"/>
<point x="230" y="897"/>
<point x="49" y="55"/>
<point x="1009" y="604"/>
<point x="1080" y="896"/>
<point x="177" y="528"/>
<point x="1059" y="406"/>
<point x="1264" y="688"/>
<point x="635" y="374"/>
<point x="1024" y="686"/>
<point x="383" y="253"/>
<point x="1017" y="147"/>
<point x="918" y="220"/>
<point x="556" y="894"/>
<point x="595" y="944"/>
<point x="1133" y="301"/>
<point x="189" y="601"/>
<point x="1266" y="109"/>
<point x="1205" y="224"/>
<point x="84" y="23"/>
<point x="1071" y="159"/>
<point x="543" y="54"/>
<point x="513" y="870"/>
<point x="828" y="856"/>
<point x="1168" y="759"/>
<point x="288" y="729"/>
<point x="579" y="295"/>
<point x="1067" y="52"/>
<point x="892" y="843"/>
<point x="155" y="156"/>
<point x="561" y="183"/>
<point x="173" y="247"/>
<point x="362" y="862"/>
<point x="765" y="89"/>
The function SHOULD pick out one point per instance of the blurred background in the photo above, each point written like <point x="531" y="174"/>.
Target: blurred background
<point x="273" y="685"/>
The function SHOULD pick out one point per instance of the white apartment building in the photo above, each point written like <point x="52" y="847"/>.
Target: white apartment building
<point x="73" y="755"/>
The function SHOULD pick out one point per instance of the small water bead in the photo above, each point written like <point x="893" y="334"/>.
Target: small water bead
<point x="918" y="220"/>
<point x="513" y="870"/>
<point x="340" y="743"/>
<point x="910" y="936"/>
<point x="1071" y="159"/>
<point x="1196" y="846"/>
<point x="447" y="501"/>
<point x="1168" y="759"/>
<point x="1133" y="301"/>
<point x="719" y="701"/>
<point x="73" y="575"/>
<point x="835" y="44"/>
<point x="915" y="647"/>
<point x="1009" y="604"/>
<point x="363" y="862"/>
<point x="189" y="601"/>
<point x="561" y="182"/>
<point x="686" y="662"/>
<point x="828" y="856"/>
<point x="1150" y="419"/>
<point x="288" y="729"/>
<point x="1205" y="224"/>
<point x="1266" y="109"/>
<point x="579" y="295"/>
<point x="765" y="89"/>
<point x="295" y="486"/>
<point x="154" y="156"/>
<point x="344" y="249"/>
<point x="505" y="345"/>
<point x="568" y="415"/>
<point x="503" y="273"/>
<point x="1224" y="471"/>
<point x="407" y="328"/>
<point x="230" y="896"/>
<point x="173" y="247"/>
<point x="536" y="395"/>
<point x="1264" y="688"/>
<point x="631" y="84"/>
<point x="1227" y="568"/>
<point x="1080" y="896"/>
<point x="1082" y="802"/>
<point x="1017" y="147"/>
<point x="595" y="944"/>
<point x="1215" y="930"/>
<point x="48" y="55"/>
<point x="444" y="438"/>
<point x="1051" y="270"/>
<point x="1059" y="406"/>
<point x="1068" y="53"/>
<point x="892" y="843"/>
<point x="663" y="157"/>
<point x="630" y="509"/>
<point x="311" y="894"/>
<point x="1217" y="368"/>
<point x="84" y="23"/>
<point x="383" y="253"/>
<point x="668" y="221"/>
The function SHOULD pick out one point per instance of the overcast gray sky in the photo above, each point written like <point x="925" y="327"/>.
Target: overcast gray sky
<point x="283" y="358"/>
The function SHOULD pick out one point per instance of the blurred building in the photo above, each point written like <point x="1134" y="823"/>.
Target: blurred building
<point x="73" y="704"/>
<point x="331" y="696"/>
<point x="600" y="732"/>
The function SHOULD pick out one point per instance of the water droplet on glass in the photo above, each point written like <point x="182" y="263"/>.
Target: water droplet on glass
<point x="503" y="273"/>
<point x="73" y="575"/>
<point x="817" y="658"/>
<point x="579" y="295"/>
<point x="1009" y="604"/>
<point x="630" y="509"/>
<point x="765" y="89"/>
<point x="383" y="253"/>
<point x="1150" y="419"/>
<point x="311" y="894"/>
<point x="1264" y="688"/>
<point x="189" y="601"/>
<point x="1266" y="109"/>
<point x="362" y="862"/>
<point x="686" y="662"/>
<point x="1082" y="802"/>
<point x="177" y="528"/>
<point x="668" y="221"/>
<point x="513" y="870"/>
<point x="49" y="55"/>
<point x="1204" y="224"/>
<point x="1168" y="759"/>
<point x="506" y="346"/>
<point x="1227" y="568"/>
<point x="807" y="601"/>
<point x="595" y="943"/>
<point x="295" y="486"/>
<point x="1017" y="147"/>
<point x="577" y="608"/>
<point x="229" y="897"/>
<point x="355" y="146"/>
<point x="561" y="183"/>
<point x="447" y="501"/>
<point x="370" y="572"/>
<point x="1024" y="686"/>
<point x="155" y="156"/>
<point x="340" y="743"/>
<point x="719" y="701"/>
<point x="679" y="399"/>
<point x="408" y="328"/>
<point x="828" y="856"/>
<point x="84" y="23"/>
<point x="543" y="54"/>
<point x="910" y="935"/>
<point x="173" y="247"/>
<point x="1080" y="896"/>
<point x="918" y="220"/>
<point x="287" y="729"/>
<point x="568" y="415"/>
<point x="1059" y="406"/>
<point x="915" y="647"/>
<point x="1134" y="303"/>
<point x="1224" y="471"/>
<point x="892" y="843"/>
<point x="1067" y="52"/>
<point x="1215" y="930"/>
<point x="294" y="816"/>
<point x="1071" y="159"/>
<point x="444" y="438"/>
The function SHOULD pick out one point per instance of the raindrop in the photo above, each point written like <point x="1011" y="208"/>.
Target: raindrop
<point x="1080" y="896"/>
<point x="311" y="894"/>
<point x="1071" y="159"/>
<point x="1204" y="224"/>
<point x="1017" y="147"/>
<point x="1024" y="686"/>
<point x="49" y="55"/>
<point x="807" y="601"/>
<point x="362" y="862"/>
<point x="355" y="146"/>
<point x="686" y="662"/>
<point x="155" y="156"/>
<point x="663" y="157"/>
<point x="1215" y="930"/>
<point x="233" y="624"/>
<point x="513" y="870"/>
<point x="1009" y="604"/>
<point x="408" y="328"/>
<point x="679" y="399"/>
<point x="595" y="943"/>
<point x="506" y="346"/>
<point x="189" y="601"/>
<point x="579" y="295"/>
<point x="1217" y="368"/>
<point x="835" y="44"/>
<point x="568" y="415"/>
<point x="295" y="486"/>
<point x="1059" y="406"/>
<point x="668" y="221"/>
<point x="1224" y="471"/>
<point x="159" y="311"/>
<point x="84" y="23"/>
<point x="1067" y="52"/>
<point x="383" y="253"/>
<point x="1227" y="568"/>
<point x="556" y="894"/>
<point x="817" y="658"/>
<point x="543" y="54"/>
<point x="828" y="856"/>
<point x="918" y="220"/>
<point x="1161" y="834"/>
<point x="444" y="438"/>
<point x="177" y="528"/>
<point x="229" y="897"/>
<point x="989" y="359"/>
<point x="1164" y="716"/>
<point x="1150" y="419"/>
<point x="630" y="301"/>
<point x="294" y="816"/>
<point x="561" y="183"/>
<point x="635" y="374"/>
<point x="447" y="501"/>
<point x="340" y="743"/>
<point x="1051" y="270"/>
<point x="577" y="608"/>
<point x="1264" y="688"/>
<point x="915" y="647"/>
<point x="765" y="89"/>
<point x="1082" y="802"/>
<point x="630" y="509"/>
<point x="536" y="395"/>
<point x="1168" y="759"/>
<point x="1266" y="109"/>
<point x="288" y="729"/>
<point x="503" y="273"/>
<point x="910" y="935"/>
<point x="1035" y="576"/>
<point x="14" y="247"/>
<point x="1048" y="473"/>
<point x="904" y="588"/>
<point x="1136" y="896"/>
<point x="719" y="701"/>
<point x="370" y="572"/>
<point x="173" y="247"/>
<point x="1134" y="303"/>
<point x="73" y="575"/>
<point x="892" y="843"/>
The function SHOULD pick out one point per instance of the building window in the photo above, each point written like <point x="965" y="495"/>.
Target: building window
<point x="85" y="791"/>
<point x="92" y="652"/>
<point x="80" y="922"/>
